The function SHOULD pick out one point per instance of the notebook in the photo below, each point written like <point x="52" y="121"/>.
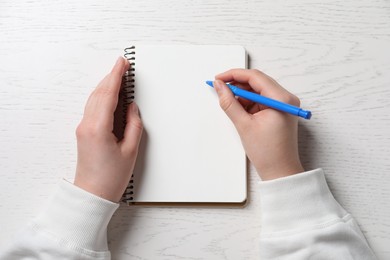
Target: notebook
<point x="190" y="151"/>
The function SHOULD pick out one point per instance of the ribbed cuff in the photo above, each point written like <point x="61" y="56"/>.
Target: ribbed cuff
<point x="297" y="202"/>
<point x="78" y="217"/>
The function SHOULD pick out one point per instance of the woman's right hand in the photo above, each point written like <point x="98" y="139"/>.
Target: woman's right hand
<point x="269" y="137"/>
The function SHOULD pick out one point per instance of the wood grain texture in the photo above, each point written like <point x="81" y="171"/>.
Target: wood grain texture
<point x="332" y="54"/>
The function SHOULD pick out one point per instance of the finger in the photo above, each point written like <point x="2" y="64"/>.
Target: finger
<point x="259" y="81"/>
<point x="255" y="108"/>
<point x="117" y="72"/>
<point x="102" y="102"/>
<point x="133" y="130"/>
<point x="112" y="81"/>
<point x="244" y="102"/>
<point x="229" y="103"/>
<point x="244" y="86"/>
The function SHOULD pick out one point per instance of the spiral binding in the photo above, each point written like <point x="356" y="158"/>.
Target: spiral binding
<point x="128" y="79"/>
<point x="128" y="96"/>
<point x="129" y="192"/>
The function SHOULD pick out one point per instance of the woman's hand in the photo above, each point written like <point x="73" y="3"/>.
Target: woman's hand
<point x="104" y="164"/>
<point x="269" y="137"/>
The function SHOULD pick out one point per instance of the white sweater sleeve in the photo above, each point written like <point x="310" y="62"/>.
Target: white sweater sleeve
<point x="72" y="226"/>
<point x="302" y="220"/>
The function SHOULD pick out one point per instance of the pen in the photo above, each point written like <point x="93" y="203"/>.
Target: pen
<point x="269" y="102"/>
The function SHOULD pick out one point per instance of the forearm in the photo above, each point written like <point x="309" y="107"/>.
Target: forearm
<point x="302" y="220"/>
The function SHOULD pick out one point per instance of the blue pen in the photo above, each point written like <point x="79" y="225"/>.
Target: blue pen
<point x="272" y="103"/>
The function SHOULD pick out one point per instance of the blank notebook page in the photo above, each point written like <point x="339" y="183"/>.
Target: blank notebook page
<point x="190" y="151"/>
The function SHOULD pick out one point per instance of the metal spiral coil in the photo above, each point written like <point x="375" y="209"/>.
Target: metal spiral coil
<point x="128" y="84"/>
<point x="128" y="79"/>
<point x="127" y="196"/>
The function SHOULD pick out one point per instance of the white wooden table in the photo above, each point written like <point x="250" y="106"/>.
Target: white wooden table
<point x="333" y="54"/>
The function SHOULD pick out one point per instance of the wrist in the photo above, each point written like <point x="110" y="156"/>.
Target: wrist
<point x="96" y="188"/>
<point x="279" y="170"/>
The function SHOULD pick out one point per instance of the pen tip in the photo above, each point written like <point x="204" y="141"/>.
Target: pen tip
<point x="210" y="83"/>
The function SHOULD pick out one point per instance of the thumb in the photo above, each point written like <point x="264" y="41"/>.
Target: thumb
<point x="133" y="131"/>
<point x="229" y="103"/>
